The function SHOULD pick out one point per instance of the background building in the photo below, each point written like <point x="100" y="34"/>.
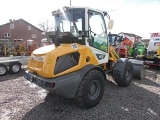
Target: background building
<point x="135" y="38"/>
<point x="20" y="29"/>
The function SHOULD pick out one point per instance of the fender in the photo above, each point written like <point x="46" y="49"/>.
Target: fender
<point x="138" y="67"/>
<point x="85" y="69"/>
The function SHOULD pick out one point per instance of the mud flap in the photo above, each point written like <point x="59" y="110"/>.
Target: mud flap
<point x="138" y="69"/>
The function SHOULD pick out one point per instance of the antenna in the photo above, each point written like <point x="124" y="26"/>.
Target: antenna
<point x="70" y="2"/>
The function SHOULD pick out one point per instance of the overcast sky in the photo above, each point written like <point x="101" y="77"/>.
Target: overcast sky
<point x="140" y="17"/>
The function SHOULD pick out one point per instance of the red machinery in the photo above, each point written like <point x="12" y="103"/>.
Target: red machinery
<point x="24" y="47"/>
<point x="124" y="47"/>
<point x="30" y="46"/>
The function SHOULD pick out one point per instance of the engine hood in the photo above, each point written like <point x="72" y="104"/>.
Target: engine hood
<point x="52" y="61"/>
<point x="44" y="49"/>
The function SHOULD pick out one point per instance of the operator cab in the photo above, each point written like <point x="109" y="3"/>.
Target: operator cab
<point x="74" y="25"/>
<point x="69" y="25"/>
<point x="83" y="26"/>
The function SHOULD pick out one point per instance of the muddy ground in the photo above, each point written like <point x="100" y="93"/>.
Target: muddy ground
<point x="21" y="100"/>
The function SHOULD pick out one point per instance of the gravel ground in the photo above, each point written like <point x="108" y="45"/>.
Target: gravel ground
<point x="21" y="100"/>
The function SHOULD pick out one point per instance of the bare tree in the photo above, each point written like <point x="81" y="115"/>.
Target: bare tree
<point x="46" y="26"/>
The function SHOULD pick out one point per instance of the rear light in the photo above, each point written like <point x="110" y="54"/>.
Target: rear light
<point x="51" y="85"/>
<point x="36" y="58"/>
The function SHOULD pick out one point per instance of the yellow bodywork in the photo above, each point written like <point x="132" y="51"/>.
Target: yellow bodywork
<point x="43" y="60"/>
<point x="158" y="52"/>
<point x="113" y="56"/>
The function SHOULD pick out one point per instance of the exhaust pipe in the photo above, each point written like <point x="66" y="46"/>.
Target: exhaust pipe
<point x="138" y="69"/>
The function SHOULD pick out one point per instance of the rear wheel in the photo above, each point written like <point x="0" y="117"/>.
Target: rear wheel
<point x="124" y="79"/>
<point x="15" y="67"/>
<point x="91" y="89"/>
<point x="3" y="69"/>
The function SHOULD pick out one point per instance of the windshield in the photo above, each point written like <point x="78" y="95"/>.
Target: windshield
<point x="70" y="21"/>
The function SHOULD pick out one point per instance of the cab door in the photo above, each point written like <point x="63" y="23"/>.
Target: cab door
<point x="98" y="40"/>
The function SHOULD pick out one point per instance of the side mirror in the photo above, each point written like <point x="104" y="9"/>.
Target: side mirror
<point x="110" y="24"/>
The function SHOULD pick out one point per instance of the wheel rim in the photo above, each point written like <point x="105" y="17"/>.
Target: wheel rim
<point x="15" y="68"/>
<point x="2" y="70"/>
<point x="94" y="89"/>
<point x="128" y="74"/>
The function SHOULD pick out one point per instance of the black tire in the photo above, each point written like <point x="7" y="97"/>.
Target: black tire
<point x="91" y="89"/>
<point x="127" y="76"/>
<point x="3" y="69"/>
<point x="15" y="68"/>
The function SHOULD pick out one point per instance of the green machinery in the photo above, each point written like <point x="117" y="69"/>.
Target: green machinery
<point x="137" y="49"/>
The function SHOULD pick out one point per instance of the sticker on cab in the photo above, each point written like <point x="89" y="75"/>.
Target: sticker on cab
<point x="49" y="61"/>
<point x="74" y="46"/>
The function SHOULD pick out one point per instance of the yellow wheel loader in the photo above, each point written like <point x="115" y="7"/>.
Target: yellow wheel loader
<point x="75" y="66"/>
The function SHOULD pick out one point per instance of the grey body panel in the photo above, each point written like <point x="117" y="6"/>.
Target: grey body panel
<point x="66" y="85"/>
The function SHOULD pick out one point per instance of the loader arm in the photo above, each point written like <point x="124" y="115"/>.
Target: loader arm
<point x="113" y="56"/>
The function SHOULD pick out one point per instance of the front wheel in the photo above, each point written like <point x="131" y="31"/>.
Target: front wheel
<point x="124" y="77"/>
<point x="91" y="89"/>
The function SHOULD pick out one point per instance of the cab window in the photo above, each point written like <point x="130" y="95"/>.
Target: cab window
<point x="97" y="31"/>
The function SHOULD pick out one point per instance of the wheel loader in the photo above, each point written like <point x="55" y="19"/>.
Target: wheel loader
<point x="75" y="66"/>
